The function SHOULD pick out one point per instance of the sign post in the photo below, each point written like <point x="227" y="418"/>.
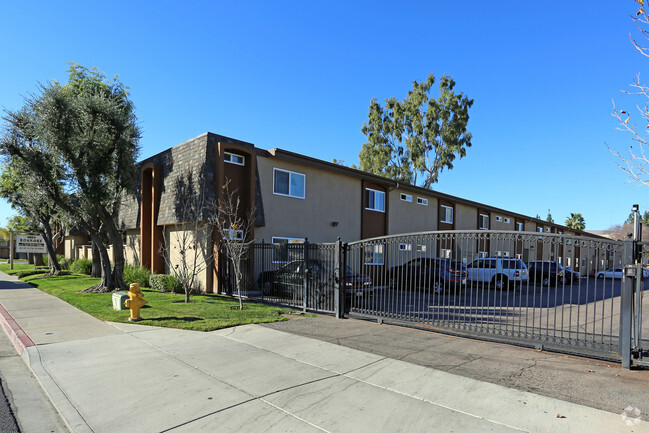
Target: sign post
<point x="11" y="250"/>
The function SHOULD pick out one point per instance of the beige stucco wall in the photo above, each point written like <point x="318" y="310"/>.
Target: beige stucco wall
<point x="466" y="217"/>
<point x="132" y="247"/>
<point x="329" y="197"/>
<point x="179" y="238"/>
<point x="501" y="225"/>
<point x="410" y="217"/>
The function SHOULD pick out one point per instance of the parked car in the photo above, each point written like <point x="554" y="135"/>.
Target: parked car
<point x="433" y="273"/>
<point x="501" y="272"/>
<point x="288" y="280"/>
<point x="570" y="276"/>
<point x="610" y="273"/>
<point x="545" y="272"/>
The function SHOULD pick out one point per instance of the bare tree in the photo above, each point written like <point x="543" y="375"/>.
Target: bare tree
<point x="235" y="228"/>
<point x="635" y="161"/>
<point x="187" y="243"/>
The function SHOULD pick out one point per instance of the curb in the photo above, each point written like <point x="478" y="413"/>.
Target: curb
<point x="16" y="334"/>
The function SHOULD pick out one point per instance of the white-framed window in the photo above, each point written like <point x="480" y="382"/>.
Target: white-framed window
<point x="505" y="253"/>
<point x="406" y="197"/>
<point x="483" y="254"/>
<point x="375" y="200"/>
<point x="539" y="229"/>
<point x="422" y="201"/>
<point x="373" y="254"/>
<point x="519" y="256"/>
<point x="233" y="158"/>
<point x="445" y="253"/>
<point x="234" y="235"/>
<point x="288" y="183"/>
<point x="507" y="220"/>
<point x="446" y="214"/>
<point x="520" y="227"/>
<point x="286" y="249"/>
<point x="499" y="218"/>
<point x="421" y="248"/>
<point x="499" y="253"/>
<point x="405" y="247"/>
<point x="484" y="222"/>
<point x="547" y="229"/>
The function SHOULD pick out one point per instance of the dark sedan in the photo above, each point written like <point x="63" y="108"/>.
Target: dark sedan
<point x="436" y="274"/>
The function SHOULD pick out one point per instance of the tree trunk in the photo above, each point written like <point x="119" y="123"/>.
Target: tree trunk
<point x="55" y="268"/>
<point x="106" y="284"/>
<point x="96" y="261"/>
<point x="115" y="238"/>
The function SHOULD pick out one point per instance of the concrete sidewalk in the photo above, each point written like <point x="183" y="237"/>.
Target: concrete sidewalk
<point x="107" y="377"/>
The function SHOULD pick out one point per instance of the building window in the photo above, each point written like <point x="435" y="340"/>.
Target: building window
<point x="422" y="201"/>
<point x="519" y="256"/>
<point x="287" y="249"/>
<point x="507" y="220"/>
<point x="445" y="253"/>
<point x="233" y="158"/>
<point x="483" y="254"/>
<point x="539" y="229"/>
<point x="288" y="183"/>
<point x="547" y="229"/>
<point x="499" y="218"/>
<point x="505" y="253"/>
<point x="520" y="227"/>
<point x="406" y="197"/>
<point x="405" y="247"/>
<point x="374" y="200"/>
<point x="234" y="235"/>
<point x="421" y="248"/>
<point x="446" y="214"/>
<point x="373" y="254"/>
<point x="484" y="222"/>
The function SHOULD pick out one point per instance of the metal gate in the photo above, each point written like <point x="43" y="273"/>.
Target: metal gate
<point x="571" y="294"/>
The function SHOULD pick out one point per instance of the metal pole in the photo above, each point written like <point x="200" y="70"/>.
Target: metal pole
<point x="306" y="274"/>
<point x="626" y="307"/>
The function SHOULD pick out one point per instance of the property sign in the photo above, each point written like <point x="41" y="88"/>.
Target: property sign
<point x="30" y="244"/>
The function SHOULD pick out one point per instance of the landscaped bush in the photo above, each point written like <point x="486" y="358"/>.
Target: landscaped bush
<point x="137" y="274"/>
<point x="165" y="283"/>
<point x="81" y="266"/>
<point x="64" y="262"/>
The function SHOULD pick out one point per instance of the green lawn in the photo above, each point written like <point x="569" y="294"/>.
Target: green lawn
<point x="204" y="313"/>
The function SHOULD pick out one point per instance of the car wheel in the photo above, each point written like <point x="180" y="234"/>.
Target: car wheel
<point x="545" y="282"/>
<point x="267" y="287"/>
<point x="600" y="276"/>
<point x="393" y="282"/>
<point x="438" y="287"/>
<point x="500" y="282"/>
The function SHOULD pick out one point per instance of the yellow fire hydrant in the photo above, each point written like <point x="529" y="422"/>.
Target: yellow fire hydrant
<point x="135" y="303"/>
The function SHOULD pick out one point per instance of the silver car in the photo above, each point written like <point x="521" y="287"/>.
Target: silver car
<point x="500" y="271"/>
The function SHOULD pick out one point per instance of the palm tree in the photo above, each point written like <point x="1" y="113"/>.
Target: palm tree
<point x="576" y="221"/>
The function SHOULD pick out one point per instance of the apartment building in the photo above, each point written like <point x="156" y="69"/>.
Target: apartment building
<point x="295" y="197"/>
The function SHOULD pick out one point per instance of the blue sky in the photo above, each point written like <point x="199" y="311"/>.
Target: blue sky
<point x="299" y="76"/>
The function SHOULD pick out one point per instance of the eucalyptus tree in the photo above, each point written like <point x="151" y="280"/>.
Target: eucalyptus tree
<point x="80" y="139"/>
<point x="419" y="136"/>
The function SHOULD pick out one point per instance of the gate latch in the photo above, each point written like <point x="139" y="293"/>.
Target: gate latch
<point x="630" y="270"/>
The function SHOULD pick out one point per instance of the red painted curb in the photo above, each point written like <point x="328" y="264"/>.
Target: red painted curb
<point x="16" y="334"/>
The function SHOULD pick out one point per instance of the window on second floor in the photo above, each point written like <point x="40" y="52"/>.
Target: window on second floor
<point x="484" y="222"/>
<point x="446" y="214"/>
<point x="288" y="183"/>
<point x="374" y="200"/>
<point x="406" y="197"/>
<point x="233" y="158"/>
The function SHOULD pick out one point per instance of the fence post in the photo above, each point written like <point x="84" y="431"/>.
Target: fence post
<point x="626" y="307"/>
<point x="306" y="274"/>
<point x="339" y="282"/>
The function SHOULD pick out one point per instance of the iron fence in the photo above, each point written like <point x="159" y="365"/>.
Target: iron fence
<point x="543" y="290"/>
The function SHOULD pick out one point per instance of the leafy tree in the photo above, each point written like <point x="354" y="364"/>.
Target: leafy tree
<point x="80" y="140"/>
<point x="549" y="217"/>
<point x="18" y="223"/>
<point x="16" y="185"/>
<point x="576" y="221"/>
<point x="419" y="136"/>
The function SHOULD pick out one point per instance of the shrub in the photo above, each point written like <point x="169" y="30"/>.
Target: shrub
<point x="81" y="266"/>
<point x="137" y="274"/>
<point x="166" y="283"/>
<point x="64" y="262"/>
